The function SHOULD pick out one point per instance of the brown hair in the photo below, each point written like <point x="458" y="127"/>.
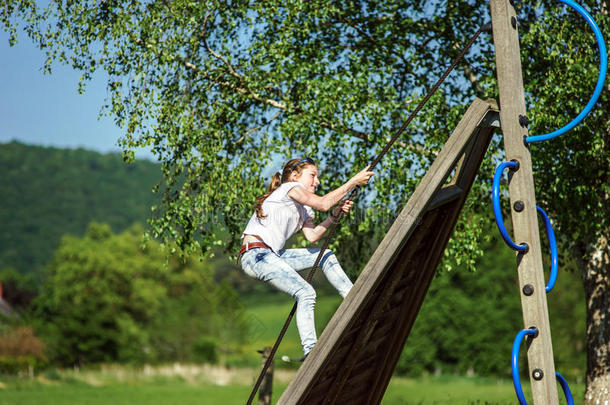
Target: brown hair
<point x="277" y="180"/>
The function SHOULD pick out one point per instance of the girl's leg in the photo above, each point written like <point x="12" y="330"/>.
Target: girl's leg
<point x="266" y="266"/>
<point x="301" y="259"/>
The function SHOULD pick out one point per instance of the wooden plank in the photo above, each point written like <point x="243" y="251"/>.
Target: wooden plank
<point x="521" y="188"/>
<point x="416" y="299"/>
<point x="367" y="291"/>
<point x="466" y="172"/>
<point x="374" y="316"/>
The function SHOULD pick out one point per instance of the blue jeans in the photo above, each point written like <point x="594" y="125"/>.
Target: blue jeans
<point x="281" y="271"/>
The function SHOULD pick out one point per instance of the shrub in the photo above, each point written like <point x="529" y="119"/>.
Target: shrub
<point x="205" y="350"/>
<point x="21" y="350"/>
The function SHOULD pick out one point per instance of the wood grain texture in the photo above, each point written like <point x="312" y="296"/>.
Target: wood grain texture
<point x="521" y="188"/>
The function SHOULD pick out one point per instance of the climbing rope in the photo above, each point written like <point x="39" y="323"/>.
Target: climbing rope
<point x="332" y="229"/>
<point x="513" y="165"/>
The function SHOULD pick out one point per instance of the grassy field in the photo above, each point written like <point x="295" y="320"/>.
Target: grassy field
<point x="231" y="382"/>
<point x="207" y="385"/>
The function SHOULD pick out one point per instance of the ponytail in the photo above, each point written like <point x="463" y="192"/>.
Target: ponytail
<point x="276" y="181"/>
<point x="294" y="165"/>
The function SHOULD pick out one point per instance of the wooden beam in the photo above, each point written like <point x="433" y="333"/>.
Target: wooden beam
<point x="521" y="188"/>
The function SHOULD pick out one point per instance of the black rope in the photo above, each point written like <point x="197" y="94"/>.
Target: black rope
<point x="332" y="229"/>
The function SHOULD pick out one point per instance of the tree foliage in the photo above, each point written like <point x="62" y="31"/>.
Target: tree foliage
<point x="20" y="349"/>
<point x="222" y="94"/>
<point x="18" y="290"/>
<point x="561" y="64"/>
<point x="109" y="299"/>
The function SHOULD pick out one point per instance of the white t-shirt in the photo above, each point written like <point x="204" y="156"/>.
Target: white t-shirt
<point x="284" y="217"/>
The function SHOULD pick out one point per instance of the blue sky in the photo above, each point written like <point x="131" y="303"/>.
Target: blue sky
<point x="47" y="110"/>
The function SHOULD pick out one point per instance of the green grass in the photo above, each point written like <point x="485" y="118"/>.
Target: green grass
<point x="166" y="394"/>
<point x="117" y="385"/>
<point x="267" y="314"/>
<point x="207" y="385"/>
<point x="447" y="390"/>
<point x="104" y="388"/>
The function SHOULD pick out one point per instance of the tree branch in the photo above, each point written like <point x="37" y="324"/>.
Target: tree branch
<point x="248" y="132"/>
<point x="370" y="38"/>
<point x="472" y="78"/>
<point x="232" y="71"/>
<point x="358" y="134"/>
<point x="355" y="133"/>
<point x="244" y="89"/>
<point x="468" y="72"/>
<point x="256" y="96"/>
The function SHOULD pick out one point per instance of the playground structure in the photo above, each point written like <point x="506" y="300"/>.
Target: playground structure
<point x="356" y="354"/>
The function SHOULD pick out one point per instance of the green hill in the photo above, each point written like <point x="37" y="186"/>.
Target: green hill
<point x="49" y="192"/>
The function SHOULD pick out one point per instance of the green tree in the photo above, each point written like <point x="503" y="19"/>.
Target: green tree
<point x="222" y="91"/>
<point x="108" y="299"/>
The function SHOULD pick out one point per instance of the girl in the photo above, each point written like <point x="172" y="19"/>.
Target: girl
<point x="285" y="208"/>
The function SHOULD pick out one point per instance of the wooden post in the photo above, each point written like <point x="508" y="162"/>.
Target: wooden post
<point x="521" y="188"/>
<point x="266" y="388"/>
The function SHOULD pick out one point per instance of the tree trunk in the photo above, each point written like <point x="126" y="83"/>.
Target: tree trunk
<point x="597" y="291"/>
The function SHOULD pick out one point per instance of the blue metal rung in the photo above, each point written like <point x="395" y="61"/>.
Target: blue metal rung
<point x="515" y="363"/>
<point x="495" y="194"/>
<point x="500" y="223"/>
<point x="565" y="388"/>
<point x="553" y="246"/>
<point x="515" y="369"/>
<point x="603" y="62"/>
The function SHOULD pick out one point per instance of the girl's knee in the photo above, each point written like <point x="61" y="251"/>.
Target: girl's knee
<point x="306" y="293"/>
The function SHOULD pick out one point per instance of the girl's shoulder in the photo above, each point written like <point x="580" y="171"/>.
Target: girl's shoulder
<point x="280" y="192"/>
<point x="290" y="184"/>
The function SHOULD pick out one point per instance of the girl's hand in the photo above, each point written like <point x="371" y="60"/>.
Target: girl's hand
<point x="363" y="177"/>
<point x="345" y="206"/>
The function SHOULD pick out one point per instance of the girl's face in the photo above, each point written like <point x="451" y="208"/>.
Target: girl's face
<point x="308" y="178"/>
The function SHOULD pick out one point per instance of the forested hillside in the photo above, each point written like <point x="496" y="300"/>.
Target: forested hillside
<point x="50" y="192"/>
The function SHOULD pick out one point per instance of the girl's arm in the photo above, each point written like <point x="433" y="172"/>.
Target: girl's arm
<point x="327" y="201"/>
<point x="314" y="233"/>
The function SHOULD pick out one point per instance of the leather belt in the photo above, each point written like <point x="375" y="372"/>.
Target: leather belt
<point x="251" y="245"/>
